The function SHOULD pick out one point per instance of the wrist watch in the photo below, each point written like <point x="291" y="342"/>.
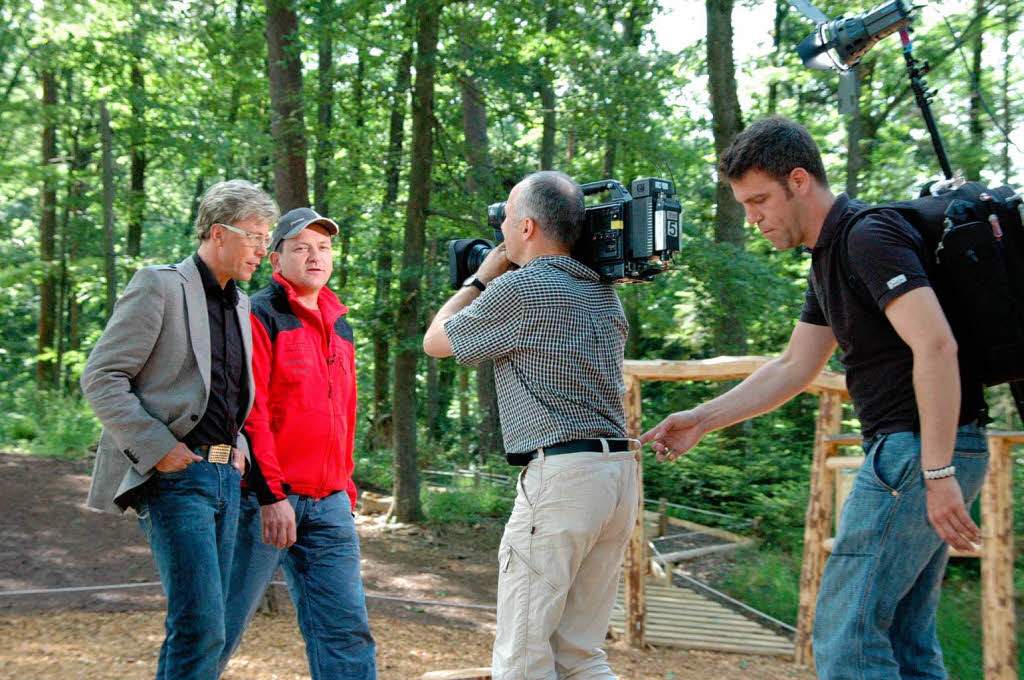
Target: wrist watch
<point x="474" y="281"/>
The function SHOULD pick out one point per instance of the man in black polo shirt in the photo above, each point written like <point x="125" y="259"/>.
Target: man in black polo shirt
<point x="170" y="381"/>
<point x="926" y="455"/>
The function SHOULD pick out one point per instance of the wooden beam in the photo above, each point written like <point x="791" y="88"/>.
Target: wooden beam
<point x="636" y="552"/>
<point x="997" y="605"/>
<point x="818" y="524"/>
<point x="683" y="555"/>
<point x="651" y="516"/>
<point x="723" y="368"/>
<point x="848" y="439"/>
<point x="1008" y="437"/>
<point x="844" y="462"/>
<point x="829" y="543"/>
<point x="464" y="674"/>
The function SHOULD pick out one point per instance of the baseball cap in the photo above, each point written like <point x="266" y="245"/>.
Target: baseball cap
<point x="294" y="221"/>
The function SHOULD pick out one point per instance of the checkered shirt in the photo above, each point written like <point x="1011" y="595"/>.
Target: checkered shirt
<point x="556" y="335"/>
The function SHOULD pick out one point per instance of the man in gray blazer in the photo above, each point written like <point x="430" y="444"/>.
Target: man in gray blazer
<point x="170" y="380"/>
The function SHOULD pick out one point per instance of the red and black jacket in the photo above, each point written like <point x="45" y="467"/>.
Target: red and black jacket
<point x="302" y="424"/>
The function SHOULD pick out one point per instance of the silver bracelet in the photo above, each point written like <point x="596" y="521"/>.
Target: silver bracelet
<point x="940" y="473"/>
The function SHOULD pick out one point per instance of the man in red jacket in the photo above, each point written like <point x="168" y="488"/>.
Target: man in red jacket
<point x="296" y="507"/>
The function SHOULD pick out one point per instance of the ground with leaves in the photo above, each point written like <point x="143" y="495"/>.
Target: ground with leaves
<point x="52" y="541"/>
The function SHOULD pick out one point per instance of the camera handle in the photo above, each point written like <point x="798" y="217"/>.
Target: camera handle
<point x="916" y="71"/>
<point x="618" y="191"/>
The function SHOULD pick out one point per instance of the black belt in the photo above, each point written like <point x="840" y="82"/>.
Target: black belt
<point x="215" y="453"/>
<point x="585" y="445"/>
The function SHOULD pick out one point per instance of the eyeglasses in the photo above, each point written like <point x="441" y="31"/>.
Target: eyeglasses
<point x="255" y="240"/>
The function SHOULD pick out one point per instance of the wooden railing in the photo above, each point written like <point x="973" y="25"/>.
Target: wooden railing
<point x="996" y="554"/>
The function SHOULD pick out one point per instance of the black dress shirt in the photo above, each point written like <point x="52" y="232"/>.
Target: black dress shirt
<point x="229" y="389"/>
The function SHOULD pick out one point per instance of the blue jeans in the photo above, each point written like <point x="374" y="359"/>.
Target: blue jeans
<point x="876" y="609"/>
<point x="322" y="570"/>
<point x="190" y="520"/>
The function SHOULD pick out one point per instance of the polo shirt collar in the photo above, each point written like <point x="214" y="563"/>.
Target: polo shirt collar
<point x="571" y="266"/>
<point x="832" y="220"/>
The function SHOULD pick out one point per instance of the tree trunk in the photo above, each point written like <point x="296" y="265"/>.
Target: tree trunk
<point x="406" y="485"/>
<point x="854" y="153"/>
<point x="474" y="125"/>
<point x="434" y="396"/>
<point x="235" y="99"/>
<point x="1010" y="19"/>
<point x="137" y="197"/>
<point x="465" y="427"/>
<point x="474" y="122"/>
<point x="547" y="139"/>
<point x="284" y="75"/>
<point x="729" y="335"/>
<point x="608" y="159"/>
<point x="489" y="439"/>
<point x="354" y="172"/>
<point x="547" y="99"/>
<point x="193" y="209"/>
<point x="325" y="107"/>
<point x="778" y="55"/>
<point x="383" y="316"/>
<point x="108" y="208"/>
<point x="45" y="369"/>
<point x="972" y="159"/>
<point x="75" y="235"/>
<point x="631" y="302"/>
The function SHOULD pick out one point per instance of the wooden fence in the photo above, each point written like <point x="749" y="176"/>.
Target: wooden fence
<point x="998" y="617"/>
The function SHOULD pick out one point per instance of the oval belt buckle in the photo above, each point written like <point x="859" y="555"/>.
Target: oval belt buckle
<point x="219" y="453"/>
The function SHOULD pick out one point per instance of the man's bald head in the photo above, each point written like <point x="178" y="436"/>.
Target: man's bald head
<point x="555" y="201"/>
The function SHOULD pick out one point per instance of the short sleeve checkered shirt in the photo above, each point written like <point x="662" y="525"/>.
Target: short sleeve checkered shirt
<point x="556" y="334"/>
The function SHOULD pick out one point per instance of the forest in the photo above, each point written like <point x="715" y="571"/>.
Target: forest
<point x="402" y="121"/>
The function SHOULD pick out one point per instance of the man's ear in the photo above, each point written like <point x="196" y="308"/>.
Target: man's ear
<point x="275" y="260"/>
<point x="799" y="181"/>
<point x="217" y="234"/>
<point x="529" y="228"/>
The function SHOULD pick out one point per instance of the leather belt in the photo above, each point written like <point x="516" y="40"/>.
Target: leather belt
<point x="585" y="445"/>
<point x="215" y="453"/>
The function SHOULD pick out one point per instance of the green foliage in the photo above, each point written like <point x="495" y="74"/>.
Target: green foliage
<point x="767" y="580"/>
<point x="622" y="104"/>
<point x="47" y="423"/>
<point x="466" y="505"/>
<point x="373" y="470"/>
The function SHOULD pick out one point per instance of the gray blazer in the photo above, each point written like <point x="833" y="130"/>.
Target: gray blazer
<point x="148" y="377"/>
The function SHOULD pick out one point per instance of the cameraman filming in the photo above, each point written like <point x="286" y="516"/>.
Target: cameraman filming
<point x="556" y="334"/>
<point x="919" y="410"/>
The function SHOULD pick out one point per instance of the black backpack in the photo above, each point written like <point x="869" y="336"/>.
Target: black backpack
<point x="977" y="237"/>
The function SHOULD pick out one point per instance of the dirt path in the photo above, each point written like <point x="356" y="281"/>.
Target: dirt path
<point x="48" y="539"/>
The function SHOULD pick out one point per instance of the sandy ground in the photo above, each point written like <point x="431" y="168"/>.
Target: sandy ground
<point x="124" y="645"/>
<point x="48" y="539"/>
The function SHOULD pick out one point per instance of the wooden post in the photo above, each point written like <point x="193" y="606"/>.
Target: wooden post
<point x="998" y="622"/>
<point x="636" y="551"/>
<point x="662" y="517"/>
<point x="818" y="524"/>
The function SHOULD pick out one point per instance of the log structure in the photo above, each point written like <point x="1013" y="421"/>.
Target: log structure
<point x="826" y="496"/>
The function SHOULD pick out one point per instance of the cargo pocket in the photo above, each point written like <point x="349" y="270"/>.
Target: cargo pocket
<point x="513" y="560"/>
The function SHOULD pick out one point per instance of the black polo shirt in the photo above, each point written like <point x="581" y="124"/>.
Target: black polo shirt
<point x="886" y="258"/>
<point x="229" y="389"/>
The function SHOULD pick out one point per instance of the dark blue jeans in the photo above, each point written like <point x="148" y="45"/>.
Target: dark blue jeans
<point x="876" y="611"/>
<point x="190" y="520"/>
<point x="322" y="570"/>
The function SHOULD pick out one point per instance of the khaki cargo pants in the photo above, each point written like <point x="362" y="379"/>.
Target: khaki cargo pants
<point x="559" y="564"/>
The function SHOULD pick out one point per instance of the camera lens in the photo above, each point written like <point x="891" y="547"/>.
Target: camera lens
<point x="465" y="255"/>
